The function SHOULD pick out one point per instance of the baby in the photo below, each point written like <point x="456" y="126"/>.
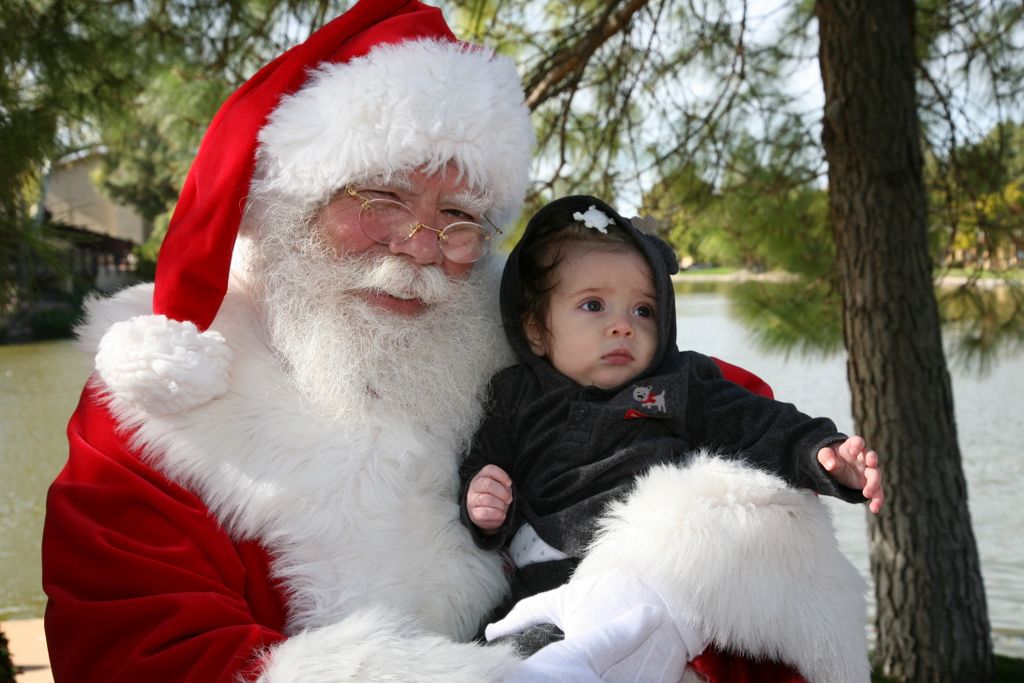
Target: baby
<point x="601" y="394"/>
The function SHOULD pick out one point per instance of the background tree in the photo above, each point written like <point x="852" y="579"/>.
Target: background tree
<point x="922" y="544"/>
<point x="135" y="80"/>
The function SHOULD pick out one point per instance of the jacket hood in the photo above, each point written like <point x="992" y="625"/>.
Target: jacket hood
<point x="558" y="215"/>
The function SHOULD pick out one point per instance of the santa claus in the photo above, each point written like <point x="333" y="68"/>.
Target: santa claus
<point x="263" y="468"/>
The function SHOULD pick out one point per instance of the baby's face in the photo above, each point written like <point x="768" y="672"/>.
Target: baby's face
<point x="601" y="317"/>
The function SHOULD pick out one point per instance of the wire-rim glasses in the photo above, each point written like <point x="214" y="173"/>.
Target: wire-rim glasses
<point x="386" y="220"/>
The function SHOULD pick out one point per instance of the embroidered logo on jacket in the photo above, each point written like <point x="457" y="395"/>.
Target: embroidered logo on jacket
<point x="648" y="399"/>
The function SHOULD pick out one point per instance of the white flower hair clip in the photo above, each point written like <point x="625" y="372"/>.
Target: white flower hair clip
<point x="594" y="218"/>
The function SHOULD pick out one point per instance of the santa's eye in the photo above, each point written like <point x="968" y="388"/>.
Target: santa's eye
<point x="456" y="215"/>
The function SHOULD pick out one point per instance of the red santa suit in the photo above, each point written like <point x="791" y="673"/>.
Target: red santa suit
<point x="208" y="526"/>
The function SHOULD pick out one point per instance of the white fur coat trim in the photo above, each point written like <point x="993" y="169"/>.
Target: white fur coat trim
<point x="379" y="646"/>
<point x="751" y="561"/>
<point x="320" y="496"/>
<point x="402" y="106"/>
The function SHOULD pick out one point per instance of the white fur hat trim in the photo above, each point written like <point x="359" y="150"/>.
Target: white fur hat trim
<point x="419" y="103"/>
<point x="161" y="365"/>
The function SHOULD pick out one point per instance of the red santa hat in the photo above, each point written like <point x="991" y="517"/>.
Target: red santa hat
<point x="385" y="87"/>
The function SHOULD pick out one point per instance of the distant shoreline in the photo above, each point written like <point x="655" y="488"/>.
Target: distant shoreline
<point x="733" y="276"/>
<point x="781" y="276"/>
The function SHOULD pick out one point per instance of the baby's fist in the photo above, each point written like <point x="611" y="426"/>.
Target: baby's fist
<point x="489" y="497"/>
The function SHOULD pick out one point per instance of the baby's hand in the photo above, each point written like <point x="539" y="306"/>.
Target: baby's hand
<point x="488" y="498"/>
<point x="853" y="466"/>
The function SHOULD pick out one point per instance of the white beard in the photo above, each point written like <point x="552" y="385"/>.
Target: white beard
<point x="348" y="357"/>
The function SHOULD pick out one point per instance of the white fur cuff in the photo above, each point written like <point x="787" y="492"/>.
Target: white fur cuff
<point x="754" y="562"/>
<point x="162" y="366"/>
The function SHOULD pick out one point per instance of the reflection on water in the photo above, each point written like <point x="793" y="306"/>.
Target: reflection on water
<point x="39" y="385"/>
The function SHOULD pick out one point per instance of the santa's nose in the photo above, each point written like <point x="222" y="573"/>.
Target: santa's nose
<point x="420" y="243"/>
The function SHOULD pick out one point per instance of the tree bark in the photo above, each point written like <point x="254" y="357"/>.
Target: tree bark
<point x="932" y="619"/>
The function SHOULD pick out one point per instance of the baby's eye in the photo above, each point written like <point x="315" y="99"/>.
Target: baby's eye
<point x="592" y="305"/>
<point x="643" y="311"/>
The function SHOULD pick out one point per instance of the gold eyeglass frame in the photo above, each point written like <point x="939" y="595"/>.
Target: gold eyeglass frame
<point x="488" y="233"/>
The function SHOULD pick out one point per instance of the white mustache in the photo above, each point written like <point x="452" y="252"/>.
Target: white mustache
<point x="396" y="276"/>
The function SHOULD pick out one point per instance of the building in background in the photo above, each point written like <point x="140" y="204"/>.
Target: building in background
<point x="99" y="233"/>
<point x="85" y="242"/>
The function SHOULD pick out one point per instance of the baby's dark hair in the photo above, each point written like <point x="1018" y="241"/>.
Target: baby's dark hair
<point x="540" y="260"/>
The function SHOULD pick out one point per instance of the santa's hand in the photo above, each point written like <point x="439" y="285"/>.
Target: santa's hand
<point x="589" y="654"/>
<point x="584" y="603"/>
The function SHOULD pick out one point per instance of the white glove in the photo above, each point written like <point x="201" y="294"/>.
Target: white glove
<point x="634" y="645"/>
<point x="591" y="652"/>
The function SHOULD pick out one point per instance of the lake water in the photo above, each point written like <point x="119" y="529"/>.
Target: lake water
<point x="39" y="385"/>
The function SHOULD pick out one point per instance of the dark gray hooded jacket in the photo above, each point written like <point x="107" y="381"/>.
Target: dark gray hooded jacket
<point x="571" y="449"/>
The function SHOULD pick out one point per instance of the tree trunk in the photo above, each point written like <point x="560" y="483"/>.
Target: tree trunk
<point x="932" y="620"/>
